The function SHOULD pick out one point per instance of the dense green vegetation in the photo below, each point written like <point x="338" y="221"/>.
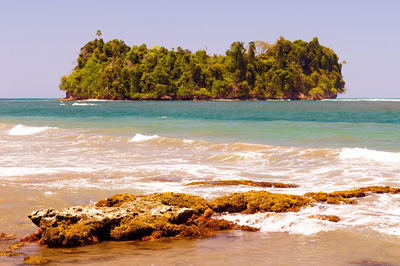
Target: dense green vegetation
<point x="284" y="70"/>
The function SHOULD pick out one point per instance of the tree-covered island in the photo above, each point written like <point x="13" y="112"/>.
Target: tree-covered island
<point x="296" y="70"/>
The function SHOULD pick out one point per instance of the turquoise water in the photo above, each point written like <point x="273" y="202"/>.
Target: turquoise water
<point x="62" y="154"/>
<point x="324" y="124"/>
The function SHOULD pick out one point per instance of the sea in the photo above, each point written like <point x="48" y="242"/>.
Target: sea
<point x="61" y="154"/>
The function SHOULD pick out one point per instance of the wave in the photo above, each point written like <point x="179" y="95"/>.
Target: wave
<point x="369" y="155"/>
<point x="84" y="104"/>
<point x="21" y="130"/>
<point x="140" y="138"/>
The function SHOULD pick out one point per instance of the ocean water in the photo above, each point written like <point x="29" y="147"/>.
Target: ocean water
<point x="59" y="154"/>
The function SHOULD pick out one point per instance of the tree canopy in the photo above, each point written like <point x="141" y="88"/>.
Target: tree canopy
<point x="284" y="70"/>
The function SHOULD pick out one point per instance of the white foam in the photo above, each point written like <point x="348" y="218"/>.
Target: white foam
<point x="139" y="138"/>
<point x="378" y="212"/>
<point x="294" y="223"/>
<point x="83" y="104"/>
<point x="21" y="171"/>
<point x="370" y="155"/>
<point x="21" y="130"/>
<point x="250" y="155"/>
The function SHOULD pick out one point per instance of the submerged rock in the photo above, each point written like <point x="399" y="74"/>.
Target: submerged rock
<point x="243" y="182"/>
<point x="16" y="246"/>
<point x="9" y="253"/>
<point x="4" y="236"/>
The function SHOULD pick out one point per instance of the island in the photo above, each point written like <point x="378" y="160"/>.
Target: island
<point x="285" y="70"/>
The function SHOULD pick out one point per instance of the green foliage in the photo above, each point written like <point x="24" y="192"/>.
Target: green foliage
<point x="284" y="70"/>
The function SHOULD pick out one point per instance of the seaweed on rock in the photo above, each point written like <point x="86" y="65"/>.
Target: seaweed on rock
<point x="259" y="201"/>
<point x="116" y="200"/>
<point x="346" y="196"/>
<point x="180" y="200"/>
<point x="243" y="182"/>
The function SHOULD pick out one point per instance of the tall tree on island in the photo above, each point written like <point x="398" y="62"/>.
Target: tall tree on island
<point x="98" y="33"/>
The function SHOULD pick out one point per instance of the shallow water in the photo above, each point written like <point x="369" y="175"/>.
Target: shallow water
<point x="56" y="154"/>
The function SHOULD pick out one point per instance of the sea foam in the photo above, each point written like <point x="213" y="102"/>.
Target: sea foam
<point x="21" y="130"/>
<point x="294" y="223"/>
<point x="370" y="155"/>
<point x="139" y="137"/>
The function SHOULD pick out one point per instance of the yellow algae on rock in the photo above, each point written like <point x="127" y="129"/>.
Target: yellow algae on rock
<point x="259" y="201"/>
<point x="35" y="260"/>
<point x="116" y="200"/>
<point x="69" y="235"/>
<point x="132" y="228"/>
<point x="180" y="200"/>
<point x="243" y="182"/>
<point x="345" y="196"/>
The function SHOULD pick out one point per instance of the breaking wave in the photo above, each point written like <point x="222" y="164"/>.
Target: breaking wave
<point x="140" y="138"/>
<point x="21" y="130"/>
<point x="370" y="155"/>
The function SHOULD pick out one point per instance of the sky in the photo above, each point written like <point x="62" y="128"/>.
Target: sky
<point x="40" y="40"/>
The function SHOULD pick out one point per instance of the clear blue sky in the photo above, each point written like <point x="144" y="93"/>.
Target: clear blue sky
<point x="40" y="40"/>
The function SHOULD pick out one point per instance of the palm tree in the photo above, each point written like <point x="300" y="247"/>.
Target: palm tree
<point x="98" y="33"/>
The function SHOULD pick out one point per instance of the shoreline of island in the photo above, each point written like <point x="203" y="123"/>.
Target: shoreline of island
<point x="195" y="98"/>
